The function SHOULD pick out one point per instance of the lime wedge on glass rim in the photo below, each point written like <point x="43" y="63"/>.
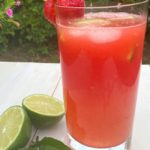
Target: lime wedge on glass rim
<point x="15" y="128"/>
<point x="43" y="110"/>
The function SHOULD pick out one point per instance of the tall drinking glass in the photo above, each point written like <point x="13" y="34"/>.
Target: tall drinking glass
<point x="100" y="52"/>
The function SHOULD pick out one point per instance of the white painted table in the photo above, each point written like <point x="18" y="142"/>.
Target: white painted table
<point x="18" y="80"/>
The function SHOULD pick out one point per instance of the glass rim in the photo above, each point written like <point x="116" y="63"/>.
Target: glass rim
<point x="119" y="5"/>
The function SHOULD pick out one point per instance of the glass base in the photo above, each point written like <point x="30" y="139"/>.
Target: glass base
<point x="75" y="145"/>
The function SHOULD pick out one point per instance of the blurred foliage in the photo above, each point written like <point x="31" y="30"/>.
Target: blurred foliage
<point x="34" y="33"/>
<point x="5" y="14"/>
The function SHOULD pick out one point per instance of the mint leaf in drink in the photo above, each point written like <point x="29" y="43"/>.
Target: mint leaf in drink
<point x="48" y="143"/>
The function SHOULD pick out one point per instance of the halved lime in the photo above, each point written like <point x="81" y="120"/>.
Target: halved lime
<point x="43" y="110"/>
<point x="15" y="128"/>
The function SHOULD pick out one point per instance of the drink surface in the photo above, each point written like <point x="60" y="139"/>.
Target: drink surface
<point x="100" y="57"/>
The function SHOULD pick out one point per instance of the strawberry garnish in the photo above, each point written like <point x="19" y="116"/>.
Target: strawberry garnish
<point x="50" y="12"/>
<point x="73" y="3"/>
<point x="74" y="10"/>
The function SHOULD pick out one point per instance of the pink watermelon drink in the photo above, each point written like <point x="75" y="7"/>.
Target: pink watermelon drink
<point x="100" y="58"/>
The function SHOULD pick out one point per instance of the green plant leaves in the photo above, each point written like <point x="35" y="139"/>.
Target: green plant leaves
<point x="9" y="3"/>
<point x="47" y="143"/>
<point x="34" y="32"/>
<point x="28" y="148"/>
<point x="52" y="144"/>
<point x="4" y="19"/>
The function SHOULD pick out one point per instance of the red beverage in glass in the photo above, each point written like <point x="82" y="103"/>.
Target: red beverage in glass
<point x="100" y="58"/>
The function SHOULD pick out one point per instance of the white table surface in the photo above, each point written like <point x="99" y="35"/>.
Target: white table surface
<point x="18" y="80"/>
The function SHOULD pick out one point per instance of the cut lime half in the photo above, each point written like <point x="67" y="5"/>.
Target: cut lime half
<point x="43" y="110"/>
<point x="15" y="128"/>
